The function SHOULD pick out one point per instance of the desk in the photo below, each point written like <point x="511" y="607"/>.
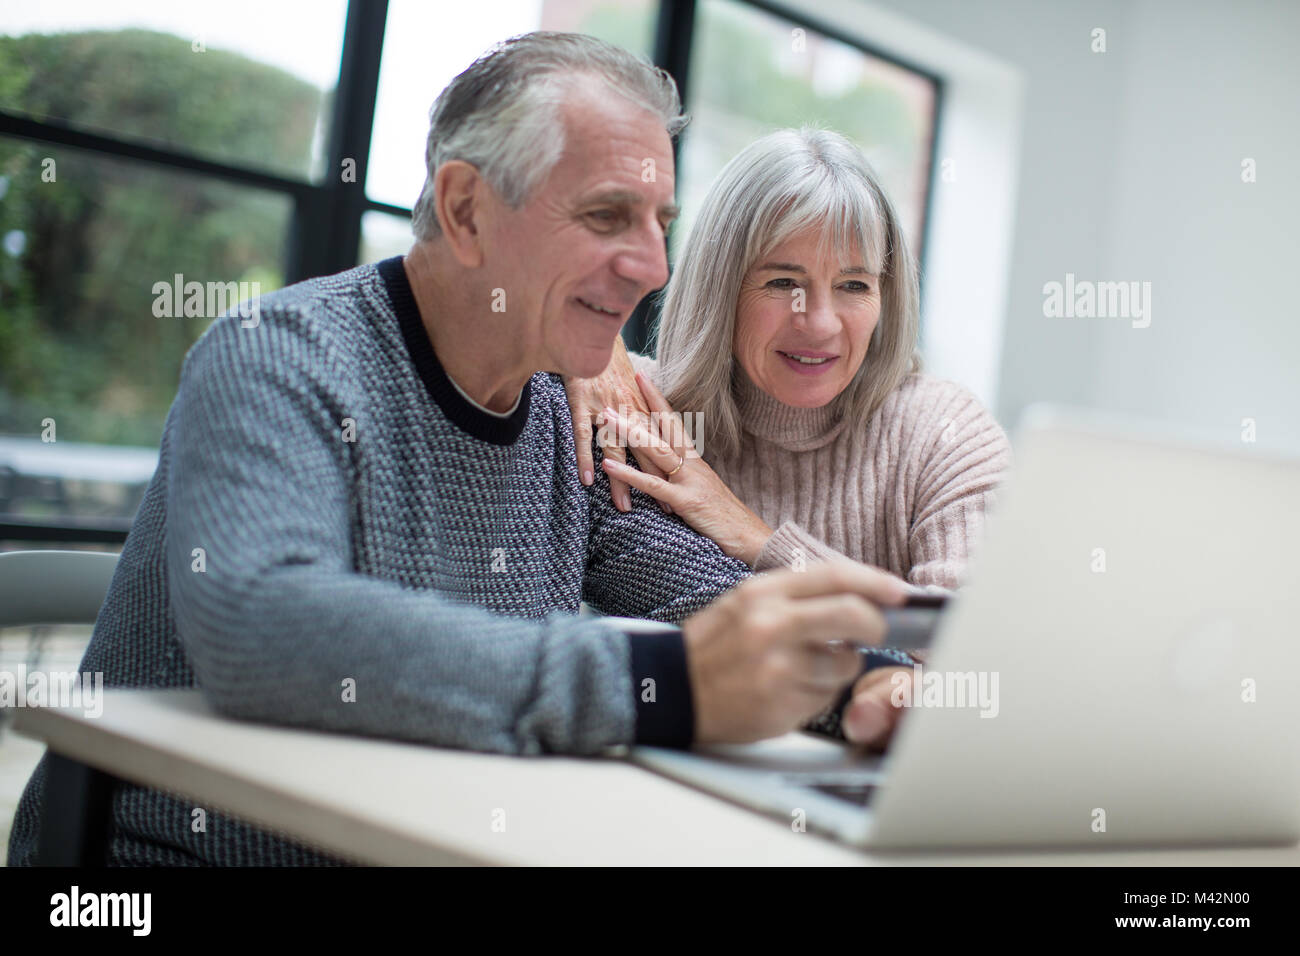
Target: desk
<point x="385" y="802"/>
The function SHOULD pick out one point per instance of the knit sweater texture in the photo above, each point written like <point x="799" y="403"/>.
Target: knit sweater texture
<point x="907" y="491"/>
<point x="336" y="539"/>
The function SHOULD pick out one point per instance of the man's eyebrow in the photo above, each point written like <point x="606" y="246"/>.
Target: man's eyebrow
<point x="794" y="267"/>
<point x="629" y="198"/>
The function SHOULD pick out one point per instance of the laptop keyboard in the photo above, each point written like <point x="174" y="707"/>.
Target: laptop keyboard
<point x="859" y="794"/>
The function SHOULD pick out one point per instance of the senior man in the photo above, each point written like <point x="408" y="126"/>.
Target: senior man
<point x="366" y="516"/>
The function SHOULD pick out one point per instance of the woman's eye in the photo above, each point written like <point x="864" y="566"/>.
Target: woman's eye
<point x="781" y="284"/>
<point x="855" y="286"/>
<point x="605" y="217"/>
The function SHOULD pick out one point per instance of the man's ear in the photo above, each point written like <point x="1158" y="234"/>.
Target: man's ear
<point x="459" y="190"/>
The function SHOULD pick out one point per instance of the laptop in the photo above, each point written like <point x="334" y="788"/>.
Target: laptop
<point x="1121" y="668"/>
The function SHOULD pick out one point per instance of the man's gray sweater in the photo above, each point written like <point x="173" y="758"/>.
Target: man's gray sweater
<point x="335" y="538"/>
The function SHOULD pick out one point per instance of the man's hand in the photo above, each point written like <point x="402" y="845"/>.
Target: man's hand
<point x="760" y="658"/>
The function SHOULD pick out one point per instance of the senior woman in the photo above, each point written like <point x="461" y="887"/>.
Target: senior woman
<point x="790" y="328"/>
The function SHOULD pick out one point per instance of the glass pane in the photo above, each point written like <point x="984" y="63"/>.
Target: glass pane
<point x="219" y="80"/>
<point x="752" y="73"/>
<point x="426" y="45"/>
<point x="91" y="339"/>
<point x="383" y="236"/>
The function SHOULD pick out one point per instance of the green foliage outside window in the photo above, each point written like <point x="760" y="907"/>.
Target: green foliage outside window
<point x="79" y="340"/>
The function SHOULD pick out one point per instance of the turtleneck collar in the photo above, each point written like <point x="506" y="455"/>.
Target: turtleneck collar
<point x="788" y="427"/>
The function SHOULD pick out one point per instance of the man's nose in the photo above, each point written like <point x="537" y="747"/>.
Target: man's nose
<point x="646" y="261"/>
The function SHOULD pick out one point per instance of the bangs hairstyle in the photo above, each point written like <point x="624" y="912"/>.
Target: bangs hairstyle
<point x="780" y="185"/>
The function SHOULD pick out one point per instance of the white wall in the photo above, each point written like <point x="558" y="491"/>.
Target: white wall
<point x="1126" y="167"/>
<point x="1206" y="85"/>
<point x="969" y="241"/>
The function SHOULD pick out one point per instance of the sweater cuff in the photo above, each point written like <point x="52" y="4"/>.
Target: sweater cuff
<point x="830" y="722"/>
<point x="665" y="712"/>
<point x="792" y="547"/>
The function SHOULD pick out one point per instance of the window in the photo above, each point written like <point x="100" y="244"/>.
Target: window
<point x="752" y="72"/>
<point x="142" y="140"/>
<point x="196" y="77"/>
<point x="384" y="235"/>
<point x="426" y="45"/>
<point x="85" y="338"/>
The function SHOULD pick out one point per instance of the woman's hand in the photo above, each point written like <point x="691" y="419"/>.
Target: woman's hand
<point x="683" y="480"/>
<point x="872" y="716"/>
<point x="616" y="388"/>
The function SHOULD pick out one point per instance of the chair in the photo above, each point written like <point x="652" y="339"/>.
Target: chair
<point x="53" y="587"/>
<point x="37" y="589"/>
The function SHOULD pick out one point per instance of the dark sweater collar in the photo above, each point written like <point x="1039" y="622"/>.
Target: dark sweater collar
<point x="471" y="420"/>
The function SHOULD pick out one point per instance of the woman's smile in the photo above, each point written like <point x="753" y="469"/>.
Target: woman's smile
<point x="808" y="363"/>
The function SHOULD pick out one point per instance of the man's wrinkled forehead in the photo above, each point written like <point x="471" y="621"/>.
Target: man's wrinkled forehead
<point x="608" y="138"/>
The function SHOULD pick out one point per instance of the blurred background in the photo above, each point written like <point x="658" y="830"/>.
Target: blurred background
<point x="1147" y="141"/>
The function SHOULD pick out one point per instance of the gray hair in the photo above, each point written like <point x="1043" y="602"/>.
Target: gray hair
<point x="780" y="185"/>
<point x="502" y="114"/>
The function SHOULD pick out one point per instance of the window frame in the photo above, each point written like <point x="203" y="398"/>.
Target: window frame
<point x="325" y="226"/>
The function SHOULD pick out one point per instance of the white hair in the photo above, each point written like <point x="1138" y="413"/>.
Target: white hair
<point x="780" y="185"/>
<point x="502" y="114"/>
